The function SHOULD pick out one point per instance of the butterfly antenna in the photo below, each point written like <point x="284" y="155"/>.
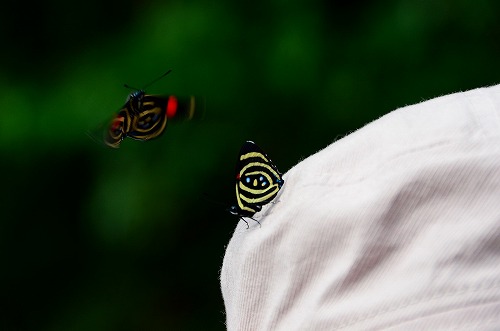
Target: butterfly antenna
<point x="130" y="87"/>
<point x="157" y="79"/>
<point x="150" y="83"/>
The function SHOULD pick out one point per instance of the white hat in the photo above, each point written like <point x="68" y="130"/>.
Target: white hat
<point x="396" y="226"/>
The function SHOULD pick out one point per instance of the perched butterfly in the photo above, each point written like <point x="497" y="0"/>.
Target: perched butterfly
<point x="145" y="116"/>
<point x="257" y="181"/>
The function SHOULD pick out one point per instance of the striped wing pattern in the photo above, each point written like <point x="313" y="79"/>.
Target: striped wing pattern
<point x="257" y="180"/>
<point x="144" y="117"/>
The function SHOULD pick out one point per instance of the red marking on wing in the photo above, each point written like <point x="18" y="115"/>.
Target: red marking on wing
<point x="238" y="176"/>
<point x="171" y="106"/>
<point x="117" y="122"/>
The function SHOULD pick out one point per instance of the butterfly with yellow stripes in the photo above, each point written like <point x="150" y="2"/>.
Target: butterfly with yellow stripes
<point x="145" y="116"/>
<point x="257" y="181"/>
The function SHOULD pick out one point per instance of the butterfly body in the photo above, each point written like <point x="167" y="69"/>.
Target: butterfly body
<point x="258" y="181"/>
<point x="134" y="100"/>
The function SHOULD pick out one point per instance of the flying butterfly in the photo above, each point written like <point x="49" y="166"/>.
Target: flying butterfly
<point x="257" y="181"/>
<point x="145" y="116"/>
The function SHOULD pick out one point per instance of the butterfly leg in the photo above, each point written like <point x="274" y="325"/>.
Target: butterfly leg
<point x="241" y="218"/>
<point x="255" y="221"/>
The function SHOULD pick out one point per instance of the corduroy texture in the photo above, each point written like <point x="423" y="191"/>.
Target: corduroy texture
<point x="396" y="226"/>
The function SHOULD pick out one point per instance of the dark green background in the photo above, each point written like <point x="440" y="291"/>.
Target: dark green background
<point x="100" y="239"/>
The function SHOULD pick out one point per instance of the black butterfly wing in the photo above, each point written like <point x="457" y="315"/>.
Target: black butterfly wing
<point x="118" y="127"/>
<point x="257" y="179"/>
<point x="155" y="111"/>
<point x="150" y="120"/>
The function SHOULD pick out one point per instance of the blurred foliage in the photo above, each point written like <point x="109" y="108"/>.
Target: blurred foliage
<point x="100" y="239"/>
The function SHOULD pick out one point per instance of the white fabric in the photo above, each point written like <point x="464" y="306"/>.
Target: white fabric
<point x="394" y="227"/>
